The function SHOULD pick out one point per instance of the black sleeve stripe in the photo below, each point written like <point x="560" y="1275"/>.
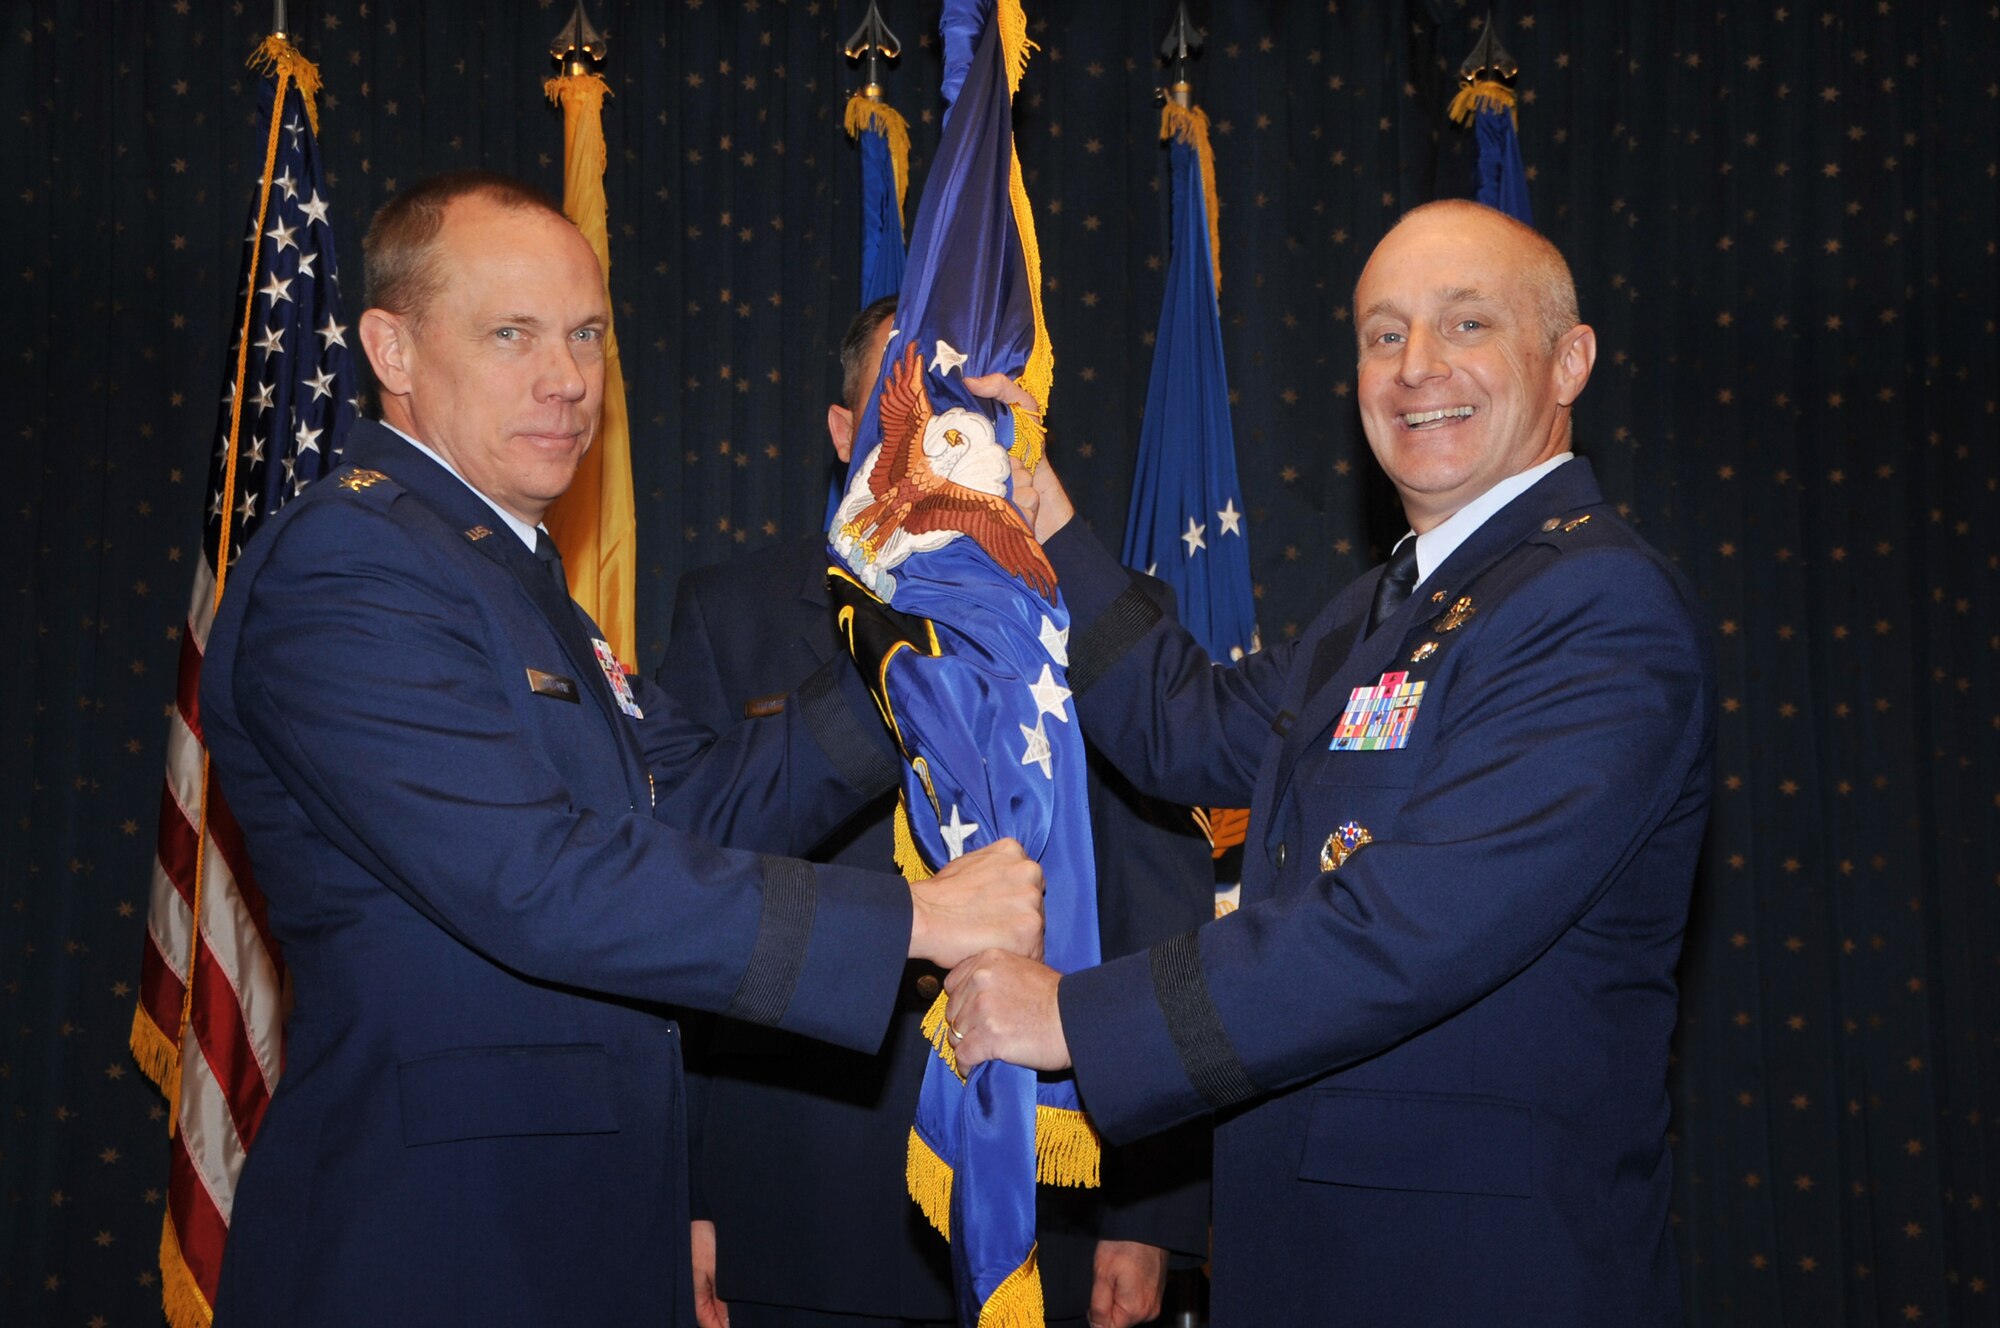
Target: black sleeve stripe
<point x="833" y="726"/>
<point x="784" y="926"/>
<point x="1109" y="636"/>
<point x="1194" y="1025"/>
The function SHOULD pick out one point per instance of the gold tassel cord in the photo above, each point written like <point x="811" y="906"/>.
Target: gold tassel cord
<point x="1485" y="94"/>
<point x="1190" y="125"/>
<point x="276" y="54"/>
<point x="865" y="113"/>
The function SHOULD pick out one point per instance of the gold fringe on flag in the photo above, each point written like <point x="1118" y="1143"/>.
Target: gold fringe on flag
<point x="908" y="860"/>
<point x="1485" y="94"/>
<point x="1067" y="1149"/>
<point x="159" y="1060"/>
<point x="938" y="1034"/>
<point x="180" y="1294"/>
<point x="929" y="1182"/>
<point x="865" y="113"/>
<point x="1017" y="1301"/>
<point x="1190" y="125"/>
<point x="1030" y="429"/>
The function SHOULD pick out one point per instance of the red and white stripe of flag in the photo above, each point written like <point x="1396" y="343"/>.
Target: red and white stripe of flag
<point x="219" y="1070"/>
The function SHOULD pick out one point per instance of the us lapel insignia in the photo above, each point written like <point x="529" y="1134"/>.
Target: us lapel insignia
<point x="553" y="685"/>
<point x="614" y="675"/>
<point x="1423" y="652"/>
<point x="1343" y="844"/>
<point x="1378" y="718"/>
<point x="1454" y="617"/>
<point x="1437" y="597"/>
<point x="477" y="533"/>
<point x="357" y="480"/>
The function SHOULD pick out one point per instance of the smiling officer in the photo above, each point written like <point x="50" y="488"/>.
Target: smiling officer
<point x="1437" y="1028"/>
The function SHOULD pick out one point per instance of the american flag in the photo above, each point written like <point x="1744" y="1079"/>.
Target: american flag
<point x="209" y="1029"/>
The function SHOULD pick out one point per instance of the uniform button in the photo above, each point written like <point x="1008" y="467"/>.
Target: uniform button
<point x="928" y="987"/>
<point x="1281" y="853"/>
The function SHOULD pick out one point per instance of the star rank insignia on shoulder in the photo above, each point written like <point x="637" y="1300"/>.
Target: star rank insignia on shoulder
<point x="354" y="481"/>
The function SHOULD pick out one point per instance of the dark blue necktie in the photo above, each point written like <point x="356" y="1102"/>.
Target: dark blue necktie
<point x="1399" y="578"/>
<point x="551" y="556"/>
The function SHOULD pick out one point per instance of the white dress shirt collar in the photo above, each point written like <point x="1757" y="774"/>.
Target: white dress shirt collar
<point x="1442" y="540"/>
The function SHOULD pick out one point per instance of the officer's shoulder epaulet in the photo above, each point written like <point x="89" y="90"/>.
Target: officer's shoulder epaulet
<point x="359" y="484"/>
<point x="1583" y="528"/>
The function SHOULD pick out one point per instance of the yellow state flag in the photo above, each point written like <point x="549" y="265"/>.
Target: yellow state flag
<point x="594" y="523"/>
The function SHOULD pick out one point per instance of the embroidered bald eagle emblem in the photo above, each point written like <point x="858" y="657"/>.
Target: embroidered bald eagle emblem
<point x="934" y="478"/>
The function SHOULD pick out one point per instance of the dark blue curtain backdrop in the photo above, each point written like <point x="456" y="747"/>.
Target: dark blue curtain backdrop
<point x="1783" y="225"/>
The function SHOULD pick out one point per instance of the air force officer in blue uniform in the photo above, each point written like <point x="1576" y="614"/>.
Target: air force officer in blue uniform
<point x="1435" y="1035"/>
<point x="473" y="836"/>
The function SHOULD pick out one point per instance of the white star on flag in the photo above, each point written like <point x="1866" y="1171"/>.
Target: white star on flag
<point x="283" y="235"/>
<point x="1232" y="520"/>
<point x="263" y="401"/>
<point x="333" y="334"/>
<point x="306" y="262"/>
<point x="276" y="289"/>
<point x="308" y="439"/>
<point x="273" y="341"/>
<point x="955" y="832"/>
<point x="1192" y="536"/>
<point x="1038" y="752"/>
<point x="321" y="383"/>
<point x="947" y="359"/>
<point x="316" y="209"/>
<point x="1055" y="642"/>
<point x="1049" y="695"/>
<point x="288" y="184"/>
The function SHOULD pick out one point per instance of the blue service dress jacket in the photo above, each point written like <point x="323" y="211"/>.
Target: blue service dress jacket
<point x="1436" y="1032"/>
<point x="801" y="1145"/>
<point x="481" y="870"/>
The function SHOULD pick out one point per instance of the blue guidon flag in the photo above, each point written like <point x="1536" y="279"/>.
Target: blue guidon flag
<point x="979" y="703"/>
<point x="1186" y="520"/>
